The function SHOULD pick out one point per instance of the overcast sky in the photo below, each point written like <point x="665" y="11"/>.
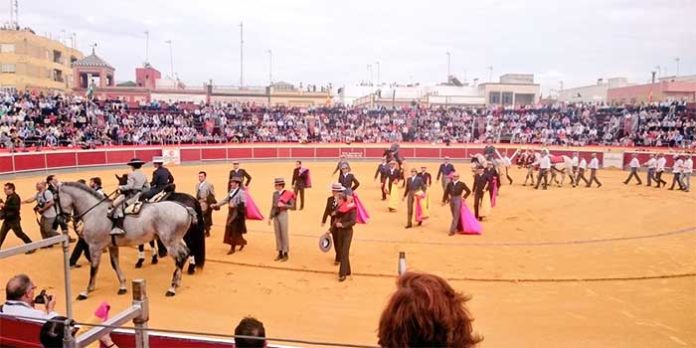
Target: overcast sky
<point x="333" y="41"/>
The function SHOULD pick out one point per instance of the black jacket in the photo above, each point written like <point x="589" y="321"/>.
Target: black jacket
<point x="161" y="177"/>
<point x="299" y="180"/>
<point x="331" y="204"/>
<point x="480" y="183"/>
<point x="349" y="181"/>
<point x="242" y="173"/>
<point x="11" y="210"/>
<point x="382" y="171"/>
<point x="453" y="190"/>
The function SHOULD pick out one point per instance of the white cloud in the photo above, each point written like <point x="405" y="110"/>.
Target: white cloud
<point x="324" y="41"/>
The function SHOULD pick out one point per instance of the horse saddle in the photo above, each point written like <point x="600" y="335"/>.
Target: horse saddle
<point x="133" y="209"/>
<point x="158" y="197"/>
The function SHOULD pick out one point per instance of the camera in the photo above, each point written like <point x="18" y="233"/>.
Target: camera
<point x="43" y="297"/>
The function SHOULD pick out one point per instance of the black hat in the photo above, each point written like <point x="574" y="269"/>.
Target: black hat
<point x="325" y="242"/>
<point x="136" y="162"/>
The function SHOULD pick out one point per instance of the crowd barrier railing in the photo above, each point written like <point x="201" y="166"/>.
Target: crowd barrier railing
<point x="14" y="163"/>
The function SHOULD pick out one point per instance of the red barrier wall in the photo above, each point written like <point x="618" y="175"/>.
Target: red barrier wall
<point x="33" y="161"/>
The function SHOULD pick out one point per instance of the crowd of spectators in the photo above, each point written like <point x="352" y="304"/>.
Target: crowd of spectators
<point x="34" y="121"/>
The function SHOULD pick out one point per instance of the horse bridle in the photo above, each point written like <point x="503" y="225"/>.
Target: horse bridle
<point x="67" y="216"/>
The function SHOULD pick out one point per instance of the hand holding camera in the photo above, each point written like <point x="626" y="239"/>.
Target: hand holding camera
<point x="45" y="299"/>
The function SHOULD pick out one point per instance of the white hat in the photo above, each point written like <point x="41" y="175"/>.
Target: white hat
<point x="157" y="160"/>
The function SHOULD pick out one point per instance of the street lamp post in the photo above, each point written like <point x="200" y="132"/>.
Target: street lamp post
<point x="377" y="72"/>
<point x="171" y="58"/>
<point x="147" y="47"/>
<point x="448" y="66"/>
<point x="270" y="66"/>
<point x="677" y="61"/>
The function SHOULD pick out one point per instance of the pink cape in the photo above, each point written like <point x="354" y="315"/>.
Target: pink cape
<point x="252" y="211"/>
<point x="495" y="192"/>
<point x="467" y="221"/>
<point x="308" y="184"/>
<point x="102" y="312"/>
<point x="362" y="214"/>
<point x="420" y="213"/>
<point x="556" y="159"/>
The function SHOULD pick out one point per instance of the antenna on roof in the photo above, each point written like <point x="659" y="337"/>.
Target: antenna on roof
<point x="14" y="14"/>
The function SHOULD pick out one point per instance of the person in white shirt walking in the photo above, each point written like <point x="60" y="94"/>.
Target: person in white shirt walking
<point x="651" y="164"/>
<point x="582" y="167"/>
<point x="544" y="167"/>
<point x="594" y="166"/>
<point x="634" y="165"/>
<point x="676" y="172"/>
<point x="661" y="162"/>
<point x="687" y="170"/>
<point x="507" y="162"/>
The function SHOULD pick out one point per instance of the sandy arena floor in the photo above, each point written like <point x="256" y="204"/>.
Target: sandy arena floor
<point x="609" y="267"/>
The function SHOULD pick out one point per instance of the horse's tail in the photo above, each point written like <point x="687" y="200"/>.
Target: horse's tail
<point x="195" y="236"/>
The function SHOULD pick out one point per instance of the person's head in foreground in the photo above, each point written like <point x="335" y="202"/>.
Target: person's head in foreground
<point x="53" y="331"/>
<point x="250" y="327"/>
<point x="426" y="312"/>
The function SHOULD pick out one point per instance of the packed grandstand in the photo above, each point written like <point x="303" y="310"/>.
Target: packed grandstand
<point x="34" y="121"/>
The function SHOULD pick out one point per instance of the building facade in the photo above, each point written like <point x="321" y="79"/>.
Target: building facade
<point x="35" y="63"/>
<point x="653" y="92"/>
<point x="596" y="93"/>
<point x="511" y="90"/>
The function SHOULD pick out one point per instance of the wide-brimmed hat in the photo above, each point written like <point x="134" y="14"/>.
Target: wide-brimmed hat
<point x="237" y="179"/>
<point x="325" y="242"/>
<point x="135" y="162"/>
<point x="157" y="160"/>
<point x="337" y="187"/>
<point x="235" y="162"/>
<point x="344" y="165"/>
<point x="279" y="181"/>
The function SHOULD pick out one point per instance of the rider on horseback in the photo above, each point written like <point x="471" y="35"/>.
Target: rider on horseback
<point x="129" y="193"/>
<point x="162" y="180"/>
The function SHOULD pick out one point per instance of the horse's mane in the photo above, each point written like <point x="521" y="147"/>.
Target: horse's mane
<point x="85" y="188"/>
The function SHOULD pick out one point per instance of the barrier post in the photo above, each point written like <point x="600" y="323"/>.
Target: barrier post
<point x="140" y="299"/>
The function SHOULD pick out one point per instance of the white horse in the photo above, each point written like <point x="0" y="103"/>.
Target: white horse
<point x="169" y="221"/>
<point x="564" y="166"/>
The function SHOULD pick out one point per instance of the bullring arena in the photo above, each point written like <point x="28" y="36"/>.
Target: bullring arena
<point x="606" y="267"/>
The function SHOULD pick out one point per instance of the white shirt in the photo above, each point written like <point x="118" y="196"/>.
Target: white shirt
<point x="594" y="163"/>
<point x="583" y="164"/>
<point x="652" y="163"/>
<point x="574" y="161"/>
<point x="688" y="167"/>
<point x="661" y="164"/>
<point x="22" y="309"/>
<point x="545" y="162"/>
<point x="506" y="161"/>
<point x="634" y="163"/>
<point x="678" y="166"/>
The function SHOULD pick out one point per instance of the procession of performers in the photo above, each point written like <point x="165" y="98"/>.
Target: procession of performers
<point x="343" y="209"/>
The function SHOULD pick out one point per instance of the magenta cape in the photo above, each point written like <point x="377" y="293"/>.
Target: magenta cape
<point x="422" y="211"/>
<point x="308" y="184"/>
<point x="362" y="214"/>
<point x="556" y="159"/>
<point x="467" y="221"/>
<point x="252" y="211"/>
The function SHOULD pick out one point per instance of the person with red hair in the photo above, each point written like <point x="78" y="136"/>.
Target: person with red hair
<point x="426" y="312"/>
